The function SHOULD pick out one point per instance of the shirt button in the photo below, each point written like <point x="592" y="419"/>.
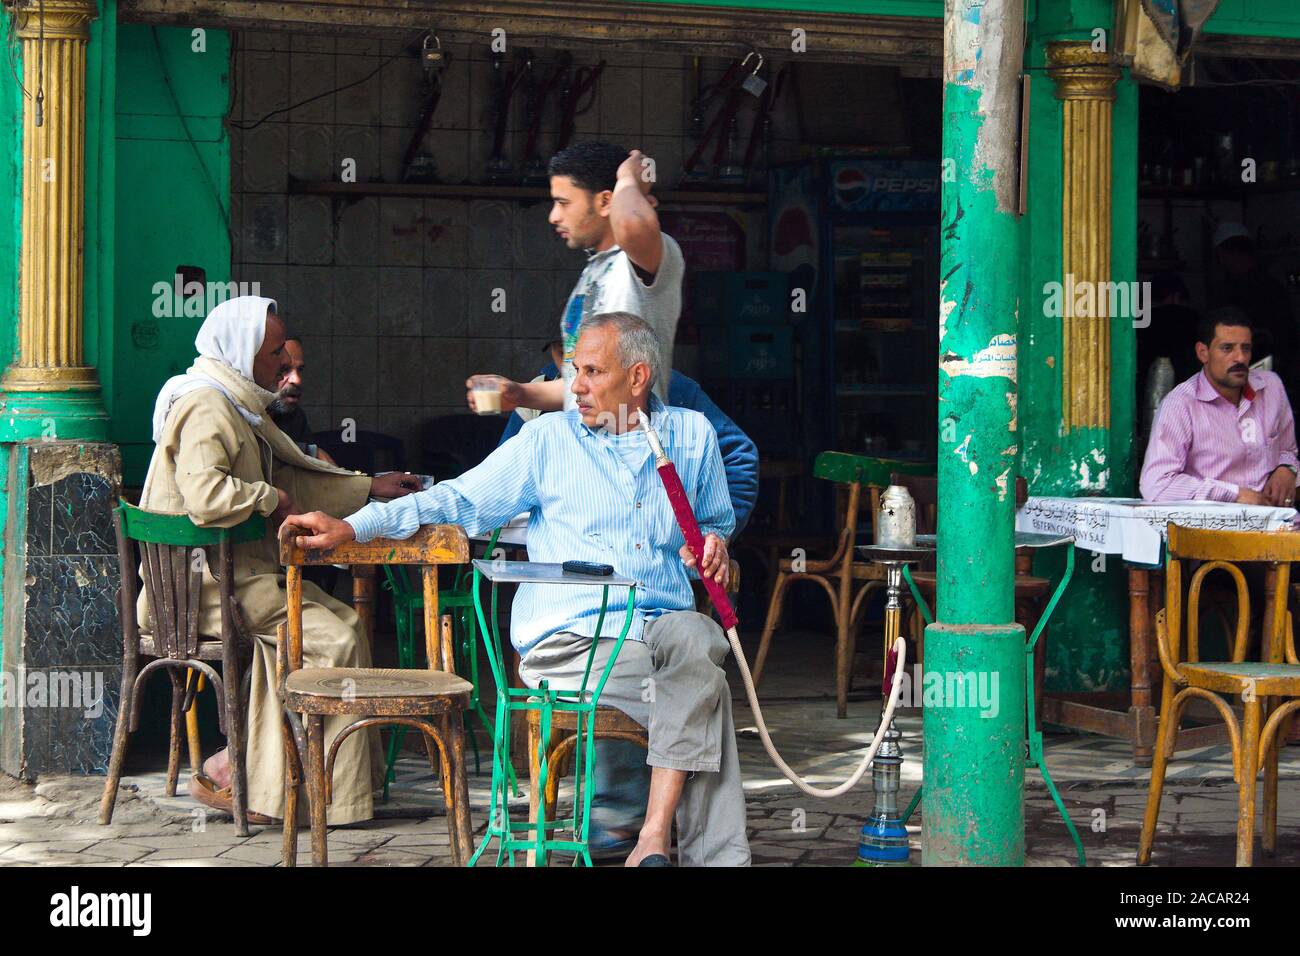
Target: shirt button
<point x="638" y="547"/>
<point x="638" y="504"/>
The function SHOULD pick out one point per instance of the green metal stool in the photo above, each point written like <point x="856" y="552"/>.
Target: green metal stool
<point x="408" y="608"/>
<point x="539" y="835"/>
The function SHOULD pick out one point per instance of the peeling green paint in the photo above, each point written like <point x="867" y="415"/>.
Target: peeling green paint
<point x="973" y="763"/>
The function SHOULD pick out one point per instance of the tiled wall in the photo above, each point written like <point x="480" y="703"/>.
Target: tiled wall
<point x="393" y="296"/>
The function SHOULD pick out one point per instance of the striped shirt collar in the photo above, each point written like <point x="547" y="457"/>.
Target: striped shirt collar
<point x="1206" y="392"/>
<point x="656" y="408"/>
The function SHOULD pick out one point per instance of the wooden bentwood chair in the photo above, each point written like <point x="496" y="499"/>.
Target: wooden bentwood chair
<point x="430" y="701"/>
<point x="173" y="554"/>
<point x="840" y="573"/>
<point x="1262" y="685"/>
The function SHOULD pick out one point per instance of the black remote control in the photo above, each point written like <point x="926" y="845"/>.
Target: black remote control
<point x="587" y="567"/>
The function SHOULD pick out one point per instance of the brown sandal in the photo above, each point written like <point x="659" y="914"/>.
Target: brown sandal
<point x="204" y="790"/>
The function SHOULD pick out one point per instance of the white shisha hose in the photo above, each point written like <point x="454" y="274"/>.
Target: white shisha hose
<point x="886" y="718"/>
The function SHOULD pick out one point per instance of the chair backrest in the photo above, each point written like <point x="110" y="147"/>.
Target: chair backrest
<point x="173" y="553"/>
<point x="1225" y="551"/>
<point x="429" y="547"/>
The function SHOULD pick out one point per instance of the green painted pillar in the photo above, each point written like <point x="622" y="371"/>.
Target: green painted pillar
<point x="974" y="655"/>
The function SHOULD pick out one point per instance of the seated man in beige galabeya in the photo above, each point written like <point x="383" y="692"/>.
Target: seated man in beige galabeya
<point x="220" y="459"/>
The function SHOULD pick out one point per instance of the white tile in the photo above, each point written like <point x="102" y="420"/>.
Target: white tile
<point x="662" y="100"/>
<point x="541" y="313"/>
<point x="358" y="104"/>
<point x="266" y="79"/>
<point x="401" y="238"/>
<point x="359" y="46"/>
<point x="450" y="150"/>
<point x="265" y="226"/>
<point x="311" y="43"/>
<point x="311" y="230"/>
<point x="266" y="158"/>
<point x="481" y="146"/>
<point x="312" y="74"/>
<point x="534" y="238"/>
<point x="309" y="300"/>
<point x="445" y="371"/>
<point x="446" y="232"/>
<point x="401" y="369"/>
<point x="361" y="145"/>
<point x="393" y="141"/>
<point x="399" y="96"/>
<point x="487" y="357"/>
<point x="264" y="279"/>
<point x="356" y="299"/>
<point x="264" y="40"/>
<point x="491" y="235"/>
<point x="401" y="299"/>
<point x="620" y="102"/>
<point x="493" y="303"/>
<point x="453" y="110"/>
<point x="355" y="363"/>
<point x="311" y="152"/>
<point x="667" y="152"/>
<point x="445" y="306"/>
<point x="358" y="234"/>
<point x="527" y="358"/>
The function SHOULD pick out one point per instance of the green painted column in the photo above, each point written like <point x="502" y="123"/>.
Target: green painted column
<point x="974" y="655"/>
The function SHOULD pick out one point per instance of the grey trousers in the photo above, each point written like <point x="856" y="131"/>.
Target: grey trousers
<point x="672" y="684"/>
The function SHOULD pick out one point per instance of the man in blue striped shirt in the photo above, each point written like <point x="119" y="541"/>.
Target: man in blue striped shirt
<point x="588" y="478"/>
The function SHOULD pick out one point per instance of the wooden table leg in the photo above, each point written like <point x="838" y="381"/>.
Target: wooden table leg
<point x="363" y="598"/>
<point x="1141" y="641"/>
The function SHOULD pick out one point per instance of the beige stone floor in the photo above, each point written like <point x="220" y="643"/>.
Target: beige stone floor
<point x="52" y="822"/>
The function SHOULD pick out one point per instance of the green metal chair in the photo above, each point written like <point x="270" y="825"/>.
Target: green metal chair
<point x="408" y="608"/>
<point x="538" y="836"/>
<point x="1034" y="733"/>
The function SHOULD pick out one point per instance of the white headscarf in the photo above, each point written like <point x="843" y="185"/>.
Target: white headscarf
<point x="231" y="334"/>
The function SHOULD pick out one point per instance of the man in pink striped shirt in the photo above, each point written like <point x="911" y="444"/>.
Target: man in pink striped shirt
<point x="1227" y="433"/>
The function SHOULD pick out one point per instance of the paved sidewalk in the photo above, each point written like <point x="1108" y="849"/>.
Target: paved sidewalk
<point x="54" y="821"/>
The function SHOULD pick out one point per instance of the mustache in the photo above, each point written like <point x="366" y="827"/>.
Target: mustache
<point x="290" y="391"/>
<point x="1239" y="368"/>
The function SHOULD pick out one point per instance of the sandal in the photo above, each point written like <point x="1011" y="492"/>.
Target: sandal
<point x="204" y="790"/>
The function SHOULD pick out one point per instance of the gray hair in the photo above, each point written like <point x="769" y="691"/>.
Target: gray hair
<point x="637" y="342"/>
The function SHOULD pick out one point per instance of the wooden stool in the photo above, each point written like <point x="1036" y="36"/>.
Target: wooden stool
<point x="430" y="701"/>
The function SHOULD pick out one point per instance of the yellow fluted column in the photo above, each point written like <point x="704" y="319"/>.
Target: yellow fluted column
<point x="1085" y="84"/>
<point x="51" y="354"/>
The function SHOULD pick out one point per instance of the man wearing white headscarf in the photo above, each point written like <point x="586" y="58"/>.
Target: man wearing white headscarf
<point x="219" y="458"/>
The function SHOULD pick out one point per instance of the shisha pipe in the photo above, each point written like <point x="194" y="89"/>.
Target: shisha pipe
<point x="894" y="663"/>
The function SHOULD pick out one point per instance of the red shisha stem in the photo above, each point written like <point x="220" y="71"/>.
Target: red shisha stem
<point x="694" y="539"/>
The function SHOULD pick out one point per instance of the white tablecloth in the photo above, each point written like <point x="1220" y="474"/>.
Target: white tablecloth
<point x="1135" y="528"/>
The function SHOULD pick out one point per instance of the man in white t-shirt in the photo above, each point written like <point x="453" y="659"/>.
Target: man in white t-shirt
<point x="601" y="202"/>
